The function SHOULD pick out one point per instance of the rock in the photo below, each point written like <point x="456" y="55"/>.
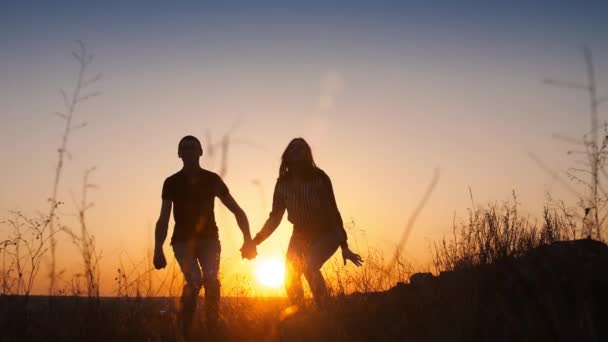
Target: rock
<point x="421" y="279"/>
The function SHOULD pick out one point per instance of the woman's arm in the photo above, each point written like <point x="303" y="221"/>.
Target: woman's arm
<point x="336" y="217"/>
<point x="347" y="254"/>
<point x="275" y="217"/>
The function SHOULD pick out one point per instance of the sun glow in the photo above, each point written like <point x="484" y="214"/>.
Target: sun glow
<point x="270" y="272"/>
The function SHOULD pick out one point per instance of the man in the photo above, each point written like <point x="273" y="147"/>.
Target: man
<point x="195" y="240"/>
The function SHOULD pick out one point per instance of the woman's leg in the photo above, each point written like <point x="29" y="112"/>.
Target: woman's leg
<point x="294" y="269"/>
<point x="318" y="253"/>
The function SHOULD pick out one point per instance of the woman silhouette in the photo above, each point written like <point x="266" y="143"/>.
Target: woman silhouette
<point x="305" y="191"/>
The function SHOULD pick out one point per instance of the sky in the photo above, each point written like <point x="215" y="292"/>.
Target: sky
<point x="384" y="91"/>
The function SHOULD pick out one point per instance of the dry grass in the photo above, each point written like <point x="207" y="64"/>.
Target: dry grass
<point x="498" y="232"/>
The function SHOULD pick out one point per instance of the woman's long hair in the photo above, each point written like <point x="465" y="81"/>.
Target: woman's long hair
<point x="309" y="162"/>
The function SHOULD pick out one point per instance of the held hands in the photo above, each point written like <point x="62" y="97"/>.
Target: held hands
<point x="159" y="258"/>
<point x="355" y="258"/>
<point x="249" y="250"/>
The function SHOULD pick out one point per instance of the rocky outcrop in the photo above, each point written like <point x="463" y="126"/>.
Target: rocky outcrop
<point x="557" y="292"/>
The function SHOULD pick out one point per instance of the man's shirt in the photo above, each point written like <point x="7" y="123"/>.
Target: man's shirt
<point x="193" y="204"/>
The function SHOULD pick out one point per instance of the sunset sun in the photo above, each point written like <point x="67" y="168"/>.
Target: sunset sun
<point x="270" y="272"/>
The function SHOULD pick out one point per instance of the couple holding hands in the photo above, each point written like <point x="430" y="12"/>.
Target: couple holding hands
<point x="302" y="189"/>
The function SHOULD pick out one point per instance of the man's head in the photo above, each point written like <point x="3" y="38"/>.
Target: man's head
<point x="189" y="149"/>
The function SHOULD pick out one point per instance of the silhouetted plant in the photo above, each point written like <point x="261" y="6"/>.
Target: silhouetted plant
<point x="85" y="242"/>
<point x="71" y="103"/>
<point x="592" y="174"/>
<point x="497" y="232"/>
<point x="130" y="279"/>
<point x="29" y="240"/>
<point x="7" y="279"/>
<point x="376" y="273"/>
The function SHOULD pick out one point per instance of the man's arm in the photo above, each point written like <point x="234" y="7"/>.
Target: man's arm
<point x="162" y="225"/>
<point x="160" y="234"/>
<point x="239" y="214"/>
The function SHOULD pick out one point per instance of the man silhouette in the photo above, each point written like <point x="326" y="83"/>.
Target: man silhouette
<point x="195" y="241"/>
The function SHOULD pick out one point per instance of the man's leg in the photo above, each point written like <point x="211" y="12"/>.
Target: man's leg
<point x="209" y="258"/>
<point x="294" y="268"/>
<point x="318" y="253"/>
<point x="185" y="255"/>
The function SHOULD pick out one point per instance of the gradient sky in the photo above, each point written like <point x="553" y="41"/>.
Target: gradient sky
<point x="384" y="91"/>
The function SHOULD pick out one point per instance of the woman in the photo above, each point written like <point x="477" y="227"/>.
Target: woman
<point x="305" y="191"/>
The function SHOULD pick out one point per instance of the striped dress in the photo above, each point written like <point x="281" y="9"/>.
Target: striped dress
<point x="311" y="208"/>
